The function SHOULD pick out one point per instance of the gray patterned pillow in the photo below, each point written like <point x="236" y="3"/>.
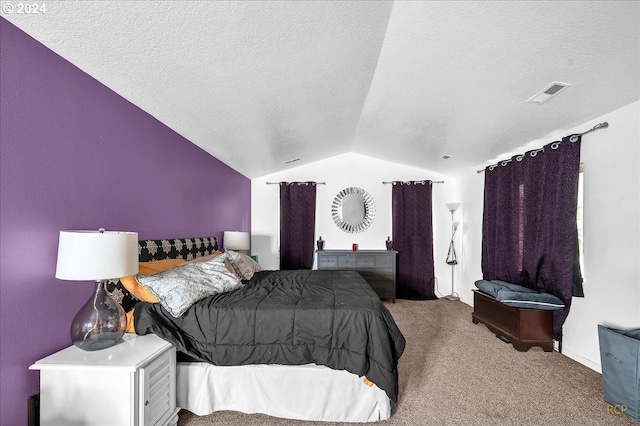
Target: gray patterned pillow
<point x="244" y="265"/>
<point x="178" y="288"/>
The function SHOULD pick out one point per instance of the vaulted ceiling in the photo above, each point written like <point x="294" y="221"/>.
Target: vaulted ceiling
<point x="257" y="84"/>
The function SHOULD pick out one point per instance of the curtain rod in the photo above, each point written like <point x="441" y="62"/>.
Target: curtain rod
<point x="573" y="138"/>
<point x="417" y="181"/>
<point x="299" y="183"/>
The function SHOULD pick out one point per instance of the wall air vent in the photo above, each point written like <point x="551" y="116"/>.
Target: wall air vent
<point x="548" y="92"/>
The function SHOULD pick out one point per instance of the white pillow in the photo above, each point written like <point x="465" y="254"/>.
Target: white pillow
<point x="178" y="288"/>
<point x="244" y="265"/>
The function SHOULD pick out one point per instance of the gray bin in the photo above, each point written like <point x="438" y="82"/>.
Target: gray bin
<point x="620" y="359"/>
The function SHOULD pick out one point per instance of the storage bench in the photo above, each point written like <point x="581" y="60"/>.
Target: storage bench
<point x="524" y="327"/>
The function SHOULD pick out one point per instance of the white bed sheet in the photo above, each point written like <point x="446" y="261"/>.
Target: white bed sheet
<point x="304" y="392"/>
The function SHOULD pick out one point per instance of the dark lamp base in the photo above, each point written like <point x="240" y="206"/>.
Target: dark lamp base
<point x="100" y="323"/>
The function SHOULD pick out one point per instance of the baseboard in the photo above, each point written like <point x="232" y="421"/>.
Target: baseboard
<point x="582" y="360"/>
<point x="467" y="301"/>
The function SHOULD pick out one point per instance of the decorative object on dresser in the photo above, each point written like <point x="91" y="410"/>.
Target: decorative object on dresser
<point x="236" y="241"/>
<point x="99" y="256"/>
<point x="320" y="243"/>
<point x="389" y="243"/>
<point x="452" y="259"/>
<point x="377" y="267"/>
<point x="133" y="383"/>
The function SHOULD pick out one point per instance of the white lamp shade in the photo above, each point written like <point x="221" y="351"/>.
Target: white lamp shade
<point x="452" y="206"/>
<point x="235" y="240"/>
<point x="95" y="255"/>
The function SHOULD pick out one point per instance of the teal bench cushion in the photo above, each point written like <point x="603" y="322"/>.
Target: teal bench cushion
<point x="518" y="296"/>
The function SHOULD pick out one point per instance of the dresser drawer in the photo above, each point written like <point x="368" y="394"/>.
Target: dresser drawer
<point x="377" y="274"/>
<point x="346" y="261"/>
<point x="365" y="262"/>
<point x="385" y="261"/>
<point x="327" y="262"/>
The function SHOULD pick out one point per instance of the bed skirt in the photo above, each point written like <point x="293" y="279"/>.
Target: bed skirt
<point x="303" y="392"/>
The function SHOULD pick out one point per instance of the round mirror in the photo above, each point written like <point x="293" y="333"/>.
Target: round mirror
<point x="353" y="210"/>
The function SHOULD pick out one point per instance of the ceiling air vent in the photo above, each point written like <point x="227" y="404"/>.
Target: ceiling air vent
<point x="548" y="92"/>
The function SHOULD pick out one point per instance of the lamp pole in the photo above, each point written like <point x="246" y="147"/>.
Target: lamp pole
<point x="451" y="255"/>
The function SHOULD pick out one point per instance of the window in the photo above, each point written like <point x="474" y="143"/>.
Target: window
<point x="520" y="213"/>
<point x="579" y="216"/>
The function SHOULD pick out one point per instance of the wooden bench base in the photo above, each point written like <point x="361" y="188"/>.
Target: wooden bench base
<point x="525" y="328"/>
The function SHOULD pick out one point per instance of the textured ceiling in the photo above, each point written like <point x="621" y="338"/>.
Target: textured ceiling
<point x="259" y="83"/>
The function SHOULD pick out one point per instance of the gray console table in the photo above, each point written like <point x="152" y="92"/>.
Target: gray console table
<point x="378" y="267"/>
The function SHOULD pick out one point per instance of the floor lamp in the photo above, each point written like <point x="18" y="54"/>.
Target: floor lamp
<point x="452" y="259"/>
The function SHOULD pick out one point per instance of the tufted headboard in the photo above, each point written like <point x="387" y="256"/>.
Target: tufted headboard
<point x="153" y="250"/>
<point x="179" y="248"/>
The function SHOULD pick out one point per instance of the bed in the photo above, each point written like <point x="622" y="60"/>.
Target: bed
<point x="310" y="345"/>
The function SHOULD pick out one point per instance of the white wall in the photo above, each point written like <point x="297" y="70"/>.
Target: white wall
<point x="611" y="231"/>
<point x="340" y="172"/>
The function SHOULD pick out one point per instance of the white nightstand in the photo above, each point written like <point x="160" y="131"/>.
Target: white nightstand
<point x="131" y="383"/>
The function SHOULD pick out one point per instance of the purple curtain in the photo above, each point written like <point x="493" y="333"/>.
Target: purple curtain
<point x="297" y="224"/>
<point x="413" y="239"/>
<point x="529" y="229"/>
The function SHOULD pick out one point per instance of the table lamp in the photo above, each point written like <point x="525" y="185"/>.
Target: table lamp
<point x="236" y="241"/>
<point x="97" y="256"/>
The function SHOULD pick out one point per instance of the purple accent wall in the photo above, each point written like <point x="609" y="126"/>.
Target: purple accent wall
<point x="76" y="155"/>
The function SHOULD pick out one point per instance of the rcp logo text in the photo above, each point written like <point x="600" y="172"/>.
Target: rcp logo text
<point x="616" y="409"/>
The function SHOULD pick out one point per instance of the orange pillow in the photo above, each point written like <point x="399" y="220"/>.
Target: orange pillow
<point x="150" y="268"/>
<point x="130" y="326"/>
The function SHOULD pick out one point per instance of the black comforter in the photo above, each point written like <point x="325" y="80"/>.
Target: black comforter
<point x="330" y="318"/>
